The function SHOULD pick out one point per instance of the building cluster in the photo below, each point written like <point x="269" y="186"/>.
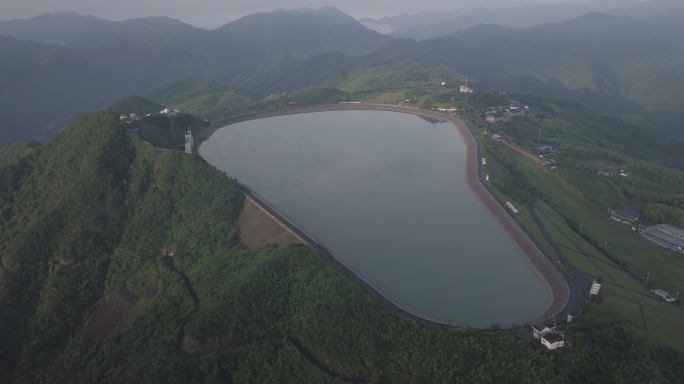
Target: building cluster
<point x="128" y="118"/>
<point x="546" y="162"/>
<point x="169" y="112"/>
<point x="550" y="337"/>
<point x="609" y="173"/>
<point x="496" y="115"/>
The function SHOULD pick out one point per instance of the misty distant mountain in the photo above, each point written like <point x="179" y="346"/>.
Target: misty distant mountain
<point x="136" y="56"/>
<point x="43" y="86"/>
<point x="304" y="32"/>
<point x="608" y="61"/>
<point x="429" y="25"/>
<point x="56" y="28"/>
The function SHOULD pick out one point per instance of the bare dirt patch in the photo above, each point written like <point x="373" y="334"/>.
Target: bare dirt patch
<point x="109" y="314"/>
<point x="257" y="228"/>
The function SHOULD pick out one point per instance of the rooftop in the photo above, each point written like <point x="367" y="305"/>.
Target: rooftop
<point x="666" y="235"/>
<point x="627" y="213"/>
<point x="553" y="337"/>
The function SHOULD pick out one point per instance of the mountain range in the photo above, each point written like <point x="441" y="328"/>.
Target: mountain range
<point x="60" y="65"/>
<point x="617" y="62"/>
<point x="428" y="25"/>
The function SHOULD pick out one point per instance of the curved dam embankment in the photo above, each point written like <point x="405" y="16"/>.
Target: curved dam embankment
<point x="553" y="280"/>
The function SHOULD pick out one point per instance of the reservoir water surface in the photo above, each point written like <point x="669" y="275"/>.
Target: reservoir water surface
<point x="387" y="193"/>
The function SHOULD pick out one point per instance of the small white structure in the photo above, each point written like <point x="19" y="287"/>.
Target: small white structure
<point x="512" y="207"/>
<point x="448" y="110"/>
<point x="169" y="112"/>
<point x="189" y="142"/>
<point x="537" y="333"/>
<point x="553" y="341"/>
<point x="595" y="288"/>
<point x="465" y="88"/>
<point x="496" y="137"/>
<point x="484" y="161"/>
<point x="665" y="296"/>
<point x="570" y="318"/>
<point x="549" y="337"/>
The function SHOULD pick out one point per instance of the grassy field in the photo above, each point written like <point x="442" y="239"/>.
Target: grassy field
<point x="611" y="253"/>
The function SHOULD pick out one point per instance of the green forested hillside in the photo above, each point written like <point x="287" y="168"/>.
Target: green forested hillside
<point x="134" y="104"/>
<point x="203" y="98"/>
<point x="121" y="263"/>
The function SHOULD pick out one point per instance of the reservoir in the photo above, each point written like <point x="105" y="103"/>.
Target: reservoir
<point x="387" y="193"/>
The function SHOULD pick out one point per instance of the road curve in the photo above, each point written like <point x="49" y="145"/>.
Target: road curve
<point x="554" y="280"/>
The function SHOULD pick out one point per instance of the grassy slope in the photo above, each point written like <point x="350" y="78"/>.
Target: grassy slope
<point x="88" y="216"/>
<point x="203" y="99"/>
<point x="575" y="195"/>
<point x="292" y="82"/>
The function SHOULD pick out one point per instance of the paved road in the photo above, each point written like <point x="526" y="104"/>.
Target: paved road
<point x="578" y="281"/>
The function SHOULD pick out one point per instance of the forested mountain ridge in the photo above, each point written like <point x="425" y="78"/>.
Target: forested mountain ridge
<point x="139" y="55"/>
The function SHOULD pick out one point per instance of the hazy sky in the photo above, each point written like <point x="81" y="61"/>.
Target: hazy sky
<point x="211" y="13"/>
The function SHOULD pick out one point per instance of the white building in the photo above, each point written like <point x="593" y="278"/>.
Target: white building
<point x="189" y="142"/>
<point x="665" y="296"/>
<point x="465" y="88"/>
<point x="512" y="207"/>
<point x="550" y="338"/>
<point x="595" y="288"/>
<point x="553" y="341"/>
<point x="169" y="112"/>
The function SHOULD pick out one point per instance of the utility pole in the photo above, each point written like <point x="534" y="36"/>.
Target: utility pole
<point x="648" y="276"/>
<point x="539" y="136"/>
